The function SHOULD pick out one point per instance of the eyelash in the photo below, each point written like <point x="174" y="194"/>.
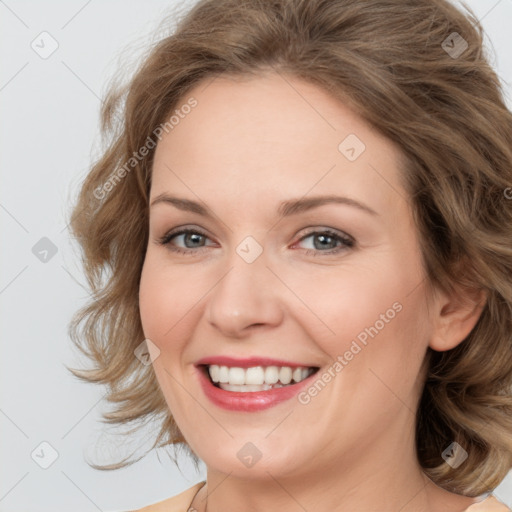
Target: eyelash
<point x="347" y="242"/>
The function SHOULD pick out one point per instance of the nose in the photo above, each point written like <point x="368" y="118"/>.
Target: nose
<point x="246" y="298"/>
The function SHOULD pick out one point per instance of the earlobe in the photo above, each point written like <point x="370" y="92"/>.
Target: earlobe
<point x="456" y="316"/>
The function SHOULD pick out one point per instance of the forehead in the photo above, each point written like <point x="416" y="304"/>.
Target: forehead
<point x="274" y="136"/>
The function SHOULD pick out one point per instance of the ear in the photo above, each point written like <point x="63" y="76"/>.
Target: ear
<point x="455" y="314"/>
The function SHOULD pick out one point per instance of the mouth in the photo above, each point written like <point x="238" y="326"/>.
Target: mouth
<point x="256" y="378"/>
<point x="252" y="385"/>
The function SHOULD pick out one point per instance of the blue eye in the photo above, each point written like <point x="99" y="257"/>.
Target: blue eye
<point x="192" y="236"/>
<point x="324" y="242"/>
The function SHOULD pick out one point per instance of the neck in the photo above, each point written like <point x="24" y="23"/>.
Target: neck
<point x="379" y="475"/>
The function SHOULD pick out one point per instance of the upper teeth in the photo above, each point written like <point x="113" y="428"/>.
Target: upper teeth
<point x="257" y="375"/>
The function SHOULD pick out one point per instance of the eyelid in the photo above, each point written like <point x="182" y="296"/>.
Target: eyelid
<point x="181" y="230"/>
<point x="347" y="241"/>
<point x="324" y="229"/>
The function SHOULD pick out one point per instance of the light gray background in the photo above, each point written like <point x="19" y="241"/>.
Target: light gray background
<point x="49" y="136"/>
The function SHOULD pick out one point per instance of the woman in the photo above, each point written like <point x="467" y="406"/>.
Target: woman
<point x="299" y="241"/>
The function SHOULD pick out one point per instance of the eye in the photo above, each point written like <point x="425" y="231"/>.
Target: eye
<point x="324" y="242"/>
<point x="327" y="242"/>
<point x="192" y="237"/>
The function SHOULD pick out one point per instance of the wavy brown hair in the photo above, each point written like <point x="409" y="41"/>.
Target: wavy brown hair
<point x="395" y="64"/>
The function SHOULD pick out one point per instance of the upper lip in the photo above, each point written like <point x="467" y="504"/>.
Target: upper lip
<point x="249" y="362"/>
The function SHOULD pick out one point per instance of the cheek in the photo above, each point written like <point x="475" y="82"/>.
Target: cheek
<point x="358" y="300"/>
<point x="376" y="318"/>
<point x="167" y="293"/>
<point x="163" y="301"/>
<point x="165" y="311"/>
<point x="152" y="297"/>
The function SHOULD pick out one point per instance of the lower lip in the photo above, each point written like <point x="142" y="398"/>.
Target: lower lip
<point x="250" y="401"/>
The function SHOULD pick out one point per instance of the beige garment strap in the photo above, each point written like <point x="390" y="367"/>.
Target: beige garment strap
<point x="179" y="503"/>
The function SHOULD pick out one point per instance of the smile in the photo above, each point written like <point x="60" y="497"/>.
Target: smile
<point x="256" y="378"/>
<point x="253" y="384"/>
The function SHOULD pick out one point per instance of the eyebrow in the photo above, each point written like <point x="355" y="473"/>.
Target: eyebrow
<point x="285" y="209"/>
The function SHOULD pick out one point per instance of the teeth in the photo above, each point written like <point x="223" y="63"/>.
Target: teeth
<point x="285" y="375"/>
<point x="271" y="374"/>
<point x="214" y="372"/>
<point x="236" y="376"/>
<point x="246" y="388"/>
<point x="256" y="378"/>
<point x="223" y="374"/>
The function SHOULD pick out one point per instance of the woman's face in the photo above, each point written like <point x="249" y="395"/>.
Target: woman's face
<point x="274" y="276"/>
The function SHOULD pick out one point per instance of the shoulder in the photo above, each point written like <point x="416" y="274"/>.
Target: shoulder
<point x="182" y="501"/>
<point x="179" y="503"/>
<point x="490" y="504"/>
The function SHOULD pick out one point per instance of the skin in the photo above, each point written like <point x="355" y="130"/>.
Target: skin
<point x="248" y="145"/>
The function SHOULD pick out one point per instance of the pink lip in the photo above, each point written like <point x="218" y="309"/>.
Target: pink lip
<point x="247" y="362"/>
<point x="251" y="401"/>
